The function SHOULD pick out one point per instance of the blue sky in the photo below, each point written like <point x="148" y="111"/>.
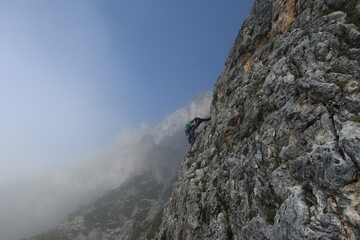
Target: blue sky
<point x="73" y="73"/>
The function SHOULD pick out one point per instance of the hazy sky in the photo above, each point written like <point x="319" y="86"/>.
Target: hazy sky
<point x="74" y="72"/>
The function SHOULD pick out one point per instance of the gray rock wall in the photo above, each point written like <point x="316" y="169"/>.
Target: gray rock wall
<point x="280" y="158"/>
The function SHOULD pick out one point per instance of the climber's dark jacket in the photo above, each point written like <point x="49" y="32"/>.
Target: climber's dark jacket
<point x="191" y="126"/>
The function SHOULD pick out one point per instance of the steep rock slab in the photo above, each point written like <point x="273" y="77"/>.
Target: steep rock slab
<point x="280" y="157"/>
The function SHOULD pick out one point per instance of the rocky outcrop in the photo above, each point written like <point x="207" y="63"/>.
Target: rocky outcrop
<point x="280" y="158"/>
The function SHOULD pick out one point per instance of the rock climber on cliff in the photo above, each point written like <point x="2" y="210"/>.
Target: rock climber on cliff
<point x="191" y="126"/>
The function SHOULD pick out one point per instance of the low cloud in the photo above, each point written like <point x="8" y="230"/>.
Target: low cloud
<point x="35" y="204"/>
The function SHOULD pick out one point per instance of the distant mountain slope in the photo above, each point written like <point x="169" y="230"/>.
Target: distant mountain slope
<point x="134" y="210"/>
<point x="129" y="212"/>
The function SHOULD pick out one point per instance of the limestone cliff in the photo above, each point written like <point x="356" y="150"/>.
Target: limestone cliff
<point x="280" y="158"/>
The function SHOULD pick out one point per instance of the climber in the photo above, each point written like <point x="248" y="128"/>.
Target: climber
<point x="191" y="126"/>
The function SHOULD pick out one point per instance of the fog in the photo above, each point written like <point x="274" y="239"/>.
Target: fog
<point x="53" y="94"/>
<point x="34" y="204"/>
<point x="77" y="78"/>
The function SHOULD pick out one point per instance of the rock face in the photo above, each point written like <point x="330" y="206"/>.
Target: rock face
<point x="280" y="158"/>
